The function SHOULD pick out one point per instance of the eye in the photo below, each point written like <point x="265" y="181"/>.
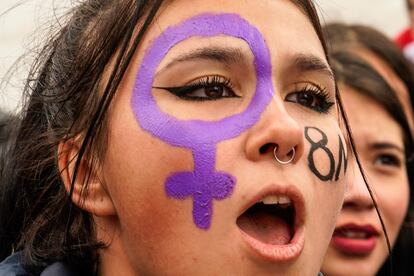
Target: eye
<point x="313" y="97"/>
<point x="388" y="160"/>
<point x="205" y="89"/>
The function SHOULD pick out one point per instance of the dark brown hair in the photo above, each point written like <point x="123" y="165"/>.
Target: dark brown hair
<point x="6" y="121"/>
<point x="66" y="98"/>
<point x="409" y="5"/>
<point x="351" y="38"/>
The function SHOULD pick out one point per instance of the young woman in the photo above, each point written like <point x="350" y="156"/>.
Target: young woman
<point x="371" y="85"/>
<point x="177" y="138"/>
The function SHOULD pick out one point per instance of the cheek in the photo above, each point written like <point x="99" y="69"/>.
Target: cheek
<point x="134" y="171"/>
<point x="323" y="215"/>
<point x="328" y="201"/>
<point x="326" y="157"/>
<point x="393" y="213"/>
<point x="326" y="154"/>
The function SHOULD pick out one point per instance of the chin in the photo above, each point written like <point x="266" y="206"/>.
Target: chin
<point x="341" y="264"/>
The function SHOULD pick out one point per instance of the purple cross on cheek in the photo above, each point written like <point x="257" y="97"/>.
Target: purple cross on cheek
<point x="204" y="184"/>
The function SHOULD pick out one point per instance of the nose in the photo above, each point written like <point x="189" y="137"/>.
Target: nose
<point x="276" y="133"/>
<point x="357" y="196"/>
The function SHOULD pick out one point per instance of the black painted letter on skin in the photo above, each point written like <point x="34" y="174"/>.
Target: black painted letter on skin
<point x="342" y="156"/>
<point x="319" y="145"/>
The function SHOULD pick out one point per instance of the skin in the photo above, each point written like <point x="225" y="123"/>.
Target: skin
<point x="388" y="181"/>
<point x="149" y="233"/>
<point x="393" y="80"/>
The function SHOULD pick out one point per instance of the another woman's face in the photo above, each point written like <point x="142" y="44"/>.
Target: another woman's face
<point x="212" y="90"/>
<point x="358" y="245"/>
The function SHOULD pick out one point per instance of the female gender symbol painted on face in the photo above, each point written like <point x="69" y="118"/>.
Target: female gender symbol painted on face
<point x="204" y="183"/>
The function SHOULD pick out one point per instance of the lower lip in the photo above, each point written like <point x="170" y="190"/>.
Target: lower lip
<point x="278" y="253"/>
<point x="354" y="246"/>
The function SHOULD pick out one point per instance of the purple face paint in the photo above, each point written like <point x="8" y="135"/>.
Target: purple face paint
<point x="204" y="183"/>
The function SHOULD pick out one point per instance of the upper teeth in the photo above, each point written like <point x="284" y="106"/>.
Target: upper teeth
<point x="274" y="199"/>
<point x="354" y="235"/>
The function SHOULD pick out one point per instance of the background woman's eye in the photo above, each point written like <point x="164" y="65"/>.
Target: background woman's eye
<point x="314" y="98"/>
<point x="387" y="160"/>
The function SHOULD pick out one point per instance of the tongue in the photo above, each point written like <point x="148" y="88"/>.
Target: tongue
<point x="265" y="227"/>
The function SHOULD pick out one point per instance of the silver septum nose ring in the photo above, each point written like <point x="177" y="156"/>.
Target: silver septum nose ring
<point x="293" y="151"/>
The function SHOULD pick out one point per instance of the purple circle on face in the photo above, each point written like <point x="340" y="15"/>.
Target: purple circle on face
<point x="193" y="133"/>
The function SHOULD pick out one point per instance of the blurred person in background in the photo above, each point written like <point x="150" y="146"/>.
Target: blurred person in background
<point x="374" y="78"/>
<point x="405" y="39"/>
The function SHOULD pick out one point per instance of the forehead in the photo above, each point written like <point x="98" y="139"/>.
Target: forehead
<point x="284" y="26"/>
<point x="381" y="127"/>
<point x="393" y="80"/>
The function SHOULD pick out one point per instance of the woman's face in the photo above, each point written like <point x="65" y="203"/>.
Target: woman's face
<point x="190" y="166"/>
<point x="358" y="245"/>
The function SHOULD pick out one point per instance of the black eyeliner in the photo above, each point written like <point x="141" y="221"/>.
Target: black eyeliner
<point x="179" y="90"/>
<point x="207" y="82"/>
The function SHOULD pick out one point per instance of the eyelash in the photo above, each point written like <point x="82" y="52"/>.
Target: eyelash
<point x="215" y="81"/>
<point x="318" y="93"/>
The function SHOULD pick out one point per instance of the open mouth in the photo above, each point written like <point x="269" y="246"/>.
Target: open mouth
<point x="270" y="220"/>
<point x="272" y="226"/>
<point x="354" y="239"/>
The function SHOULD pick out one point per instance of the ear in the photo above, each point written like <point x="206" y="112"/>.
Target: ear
<point x="89" y="192"/>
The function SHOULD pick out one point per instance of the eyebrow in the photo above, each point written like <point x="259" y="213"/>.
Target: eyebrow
<point x="226" y="55"/>
<point x="310" y="63"/>
<point x="234" y="56"/>
<point x="386" y="146"/>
